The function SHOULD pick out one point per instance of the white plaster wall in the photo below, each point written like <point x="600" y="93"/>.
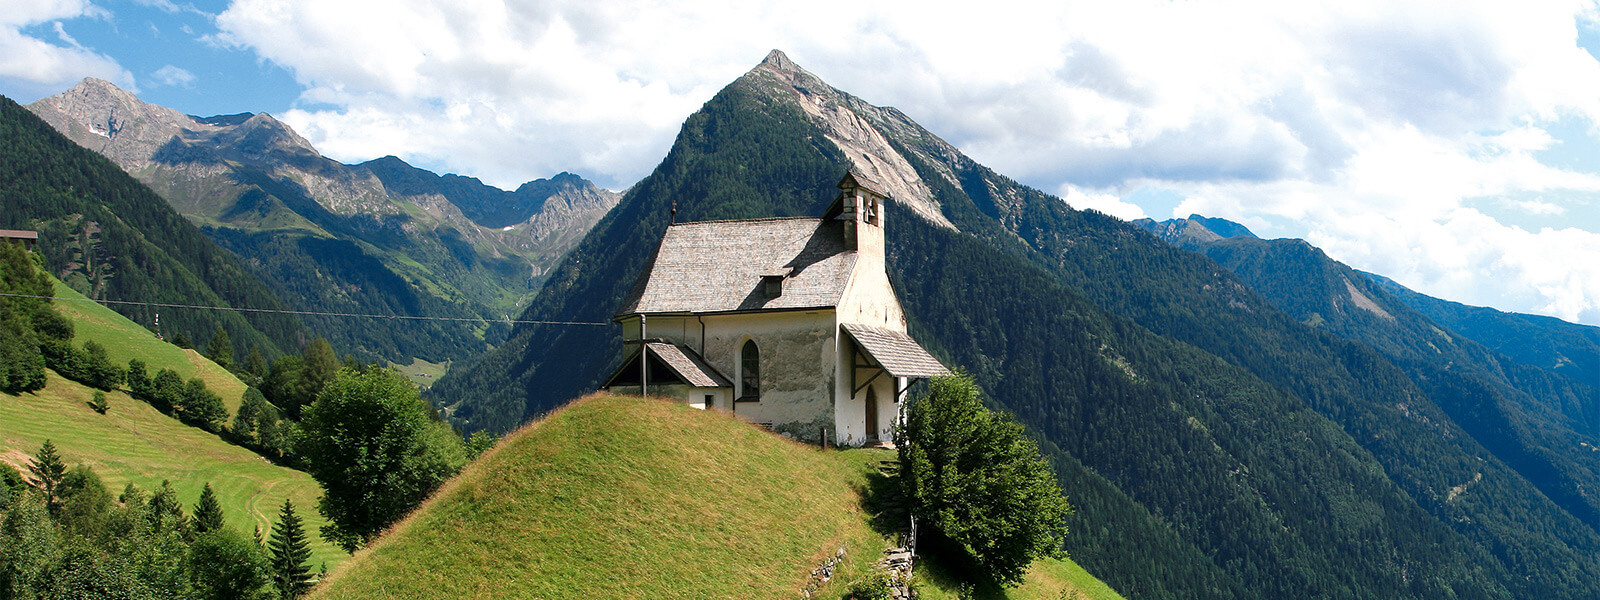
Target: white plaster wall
<point x="870" y="300"/>
<point x="797" y="365"/>
<point x="850" y="418"/>
<point x="681" y="329"/>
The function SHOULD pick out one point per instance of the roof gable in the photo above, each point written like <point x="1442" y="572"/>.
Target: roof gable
<point x="717" y="266"/>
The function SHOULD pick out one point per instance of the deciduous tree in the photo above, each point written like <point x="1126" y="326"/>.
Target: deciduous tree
<point x="974" y="477"/>
<point x="375" y="447"/>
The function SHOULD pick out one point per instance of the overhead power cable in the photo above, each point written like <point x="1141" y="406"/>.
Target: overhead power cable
<point x="313" y="312"/>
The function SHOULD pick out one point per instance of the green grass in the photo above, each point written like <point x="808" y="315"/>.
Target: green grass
<point x="421" y="372"/>
<point x="1047" y="579"/>
<point x="126" y="340"/>
<point x="615" y="497"/>
<point x="134" y="442"/>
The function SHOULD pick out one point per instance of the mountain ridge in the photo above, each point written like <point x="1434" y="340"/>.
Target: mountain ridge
<point x="305" y="221"/>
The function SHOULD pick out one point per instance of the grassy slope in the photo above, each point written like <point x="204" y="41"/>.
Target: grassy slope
<point x="126" y="340"/>
<point x="627" y="498"/>
<point x="135" y="443"/>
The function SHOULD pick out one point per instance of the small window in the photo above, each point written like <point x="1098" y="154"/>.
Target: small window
<point x="750" y="373"/>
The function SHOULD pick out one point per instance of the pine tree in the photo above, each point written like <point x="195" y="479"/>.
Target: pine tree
<point x="49" y="470"/>
<point x="291" y="574"/>
<point x="208" y="512"/>
<point x="165" y="511"/>
<point x="220" y="348"/>
<point x="138" y="378"/>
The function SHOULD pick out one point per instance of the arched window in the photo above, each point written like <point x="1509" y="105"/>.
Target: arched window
<point x="750" y="373"/>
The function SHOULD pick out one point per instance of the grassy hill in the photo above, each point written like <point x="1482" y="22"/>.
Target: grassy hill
<point x="616" y="497"/>
<point x="125" y="340"/>
<point x="134" y="442"/>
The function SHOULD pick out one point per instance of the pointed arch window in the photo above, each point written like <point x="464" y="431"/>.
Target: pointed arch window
<point x="749" y="372"/>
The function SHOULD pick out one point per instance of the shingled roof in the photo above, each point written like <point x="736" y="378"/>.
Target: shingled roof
<point x="683" y="363"/>
<point x="717" y="266"/>
<point x="900" y="355"/>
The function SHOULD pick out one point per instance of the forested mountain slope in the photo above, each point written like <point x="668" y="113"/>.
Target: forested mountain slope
<point x="1215" y="446"/>
<point x="1541" y="423"/>
<point x="1546" y="342"/>
<point x="111" y="237"/>
<point x="381" y="237"/>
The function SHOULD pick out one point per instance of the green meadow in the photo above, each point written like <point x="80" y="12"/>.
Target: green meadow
<point x="613" y="497"/>
<point x="134" y="442"/>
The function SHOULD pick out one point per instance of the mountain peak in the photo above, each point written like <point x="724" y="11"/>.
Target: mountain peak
<point x="94" y="83"/>
<point x="860" y="130"/>
<point x="779" y="61"/>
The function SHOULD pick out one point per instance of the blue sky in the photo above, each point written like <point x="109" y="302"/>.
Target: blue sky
<point x="1452" y="146"/>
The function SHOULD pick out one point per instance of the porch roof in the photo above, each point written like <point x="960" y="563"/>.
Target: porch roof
<point x="900" y="355"/>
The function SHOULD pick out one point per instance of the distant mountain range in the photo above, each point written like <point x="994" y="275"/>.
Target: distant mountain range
<point x="115" y="240"/>
<point x="1218" y="440"/>
<point x="380" y="237"/>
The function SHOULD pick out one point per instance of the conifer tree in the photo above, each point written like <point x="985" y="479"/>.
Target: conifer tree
<point x="49" y="470"/>
<point x="208" y="512"/>
<point x="220" y="348"/>
<point x="255" y="368"/>
<point x="165" y="511"/>
<point x="291" y="574"/>
<point x="138" y="378"/>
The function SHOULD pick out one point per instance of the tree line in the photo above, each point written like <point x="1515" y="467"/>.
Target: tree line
<point x="63" y="536"/>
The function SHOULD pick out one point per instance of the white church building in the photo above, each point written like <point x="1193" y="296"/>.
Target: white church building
<point x="790" y="323"/>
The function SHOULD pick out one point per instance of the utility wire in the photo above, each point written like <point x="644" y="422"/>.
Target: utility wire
<point x="311" y="312"/>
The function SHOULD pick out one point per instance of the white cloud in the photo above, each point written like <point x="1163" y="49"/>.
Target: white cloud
<point x="35" y="64"/>
<point x="172" y="75"/>
<point x="1368" y="125"/>
<point x="1107" y="203"/>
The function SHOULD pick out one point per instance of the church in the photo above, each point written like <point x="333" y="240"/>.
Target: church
<point x="789" y="323"/>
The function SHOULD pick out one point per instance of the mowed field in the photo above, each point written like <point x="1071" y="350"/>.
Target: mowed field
<point x="126" y="340"/>
<point x="134" y="442"/>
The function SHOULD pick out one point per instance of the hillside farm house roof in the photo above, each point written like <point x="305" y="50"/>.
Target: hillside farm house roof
<point x="744" y="265"/>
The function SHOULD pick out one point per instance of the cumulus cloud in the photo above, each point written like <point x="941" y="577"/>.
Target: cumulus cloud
<point x="171" y="75"/>
<point x="34" y="64"/>
<point x="1367" y="126"/>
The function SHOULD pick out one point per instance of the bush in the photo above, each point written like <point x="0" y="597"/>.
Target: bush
<point x="99" y="402"/>
<point x="974" y="477"/>
<point x="875" y="587"/>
